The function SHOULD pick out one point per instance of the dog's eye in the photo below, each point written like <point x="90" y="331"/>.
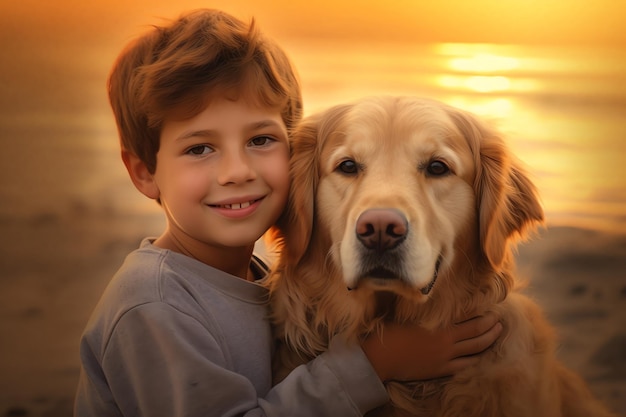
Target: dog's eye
<point x="437" y="168"/>
<point x="348" y="167"/>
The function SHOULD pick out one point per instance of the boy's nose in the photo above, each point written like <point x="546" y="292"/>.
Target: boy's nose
<point x="235" y="168"/>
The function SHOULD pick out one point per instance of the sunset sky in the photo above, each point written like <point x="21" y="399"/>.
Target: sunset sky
<point x="500" y="21"/>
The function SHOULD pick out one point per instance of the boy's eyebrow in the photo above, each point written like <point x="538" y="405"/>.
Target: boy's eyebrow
<point x="207" y="133"/>
<point x="263" y="124"/>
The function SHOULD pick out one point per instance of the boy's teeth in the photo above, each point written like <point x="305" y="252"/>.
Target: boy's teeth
<point x="237" y="206"/>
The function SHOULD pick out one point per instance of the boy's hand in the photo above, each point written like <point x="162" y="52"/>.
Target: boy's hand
<point x="410" y="352"/>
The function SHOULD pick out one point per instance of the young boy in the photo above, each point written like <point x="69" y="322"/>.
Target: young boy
<point x="204" y="107"/>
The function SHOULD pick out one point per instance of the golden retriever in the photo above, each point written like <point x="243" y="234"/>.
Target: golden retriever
<point x="406" y="209"/>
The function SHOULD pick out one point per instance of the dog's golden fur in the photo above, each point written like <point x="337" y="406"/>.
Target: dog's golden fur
<point x="457" y="202"/>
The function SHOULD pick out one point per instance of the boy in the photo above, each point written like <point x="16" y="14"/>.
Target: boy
<point x="204" y="107"/>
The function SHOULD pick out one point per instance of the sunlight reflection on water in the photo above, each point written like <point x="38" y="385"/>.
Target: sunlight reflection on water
<point x="562" y="110"/>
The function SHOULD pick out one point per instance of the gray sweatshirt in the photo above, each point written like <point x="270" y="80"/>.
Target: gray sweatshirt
<point x="172" y="337"/>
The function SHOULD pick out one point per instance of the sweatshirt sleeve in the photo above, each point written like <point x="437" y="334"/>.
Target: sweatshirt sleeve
<point x="339" y="382"/>
<point x="162" y="362"/>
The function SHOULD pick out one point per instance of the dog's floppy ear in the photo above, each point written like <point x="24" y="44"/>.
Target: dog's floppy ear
<point x="296" y="223"/>
<point x="307" y="141"/>
<point x="508" y="206"/>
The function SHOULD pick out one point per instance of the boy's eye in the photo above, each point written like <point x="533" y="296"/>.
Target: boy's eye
<point x="261" y="140"/>
<point x="199" y="150"/>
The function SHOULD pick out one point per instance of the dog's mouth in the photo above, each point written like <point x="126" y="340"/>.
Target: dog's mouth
<point x="426" y="290"/>
<point x="382" y="273"/>
<point x="383" y="276"/>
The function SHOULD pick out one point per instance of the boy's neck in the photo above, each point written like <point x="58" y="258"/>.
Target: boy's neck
<point x="234" y="261"/>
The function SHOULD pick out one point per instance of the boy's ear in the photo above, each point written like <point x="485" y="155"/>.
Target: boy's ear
<point x="139" y="174"/>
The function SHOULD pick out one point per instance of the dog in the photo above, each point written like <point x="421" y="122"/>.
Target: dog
<point x="406" y="209"/>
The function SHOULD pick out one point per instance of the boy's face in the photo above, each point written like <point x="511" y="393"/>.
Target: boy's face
<point x="222" y="176"/>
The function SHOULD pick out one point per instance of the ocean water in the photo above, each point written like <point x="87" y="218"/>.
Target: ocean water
<point x="562" y="110"/>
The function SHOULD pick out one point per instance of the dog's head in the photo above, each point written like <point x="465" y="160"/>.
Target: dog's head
<point x="397" y="189"/>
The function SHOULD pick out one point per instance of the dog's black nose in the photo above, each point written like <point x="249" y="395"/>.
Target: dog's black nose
<point x="381" y="229"/>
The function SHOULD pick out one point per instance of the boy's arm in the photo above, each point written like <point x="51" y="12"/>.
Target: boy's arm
<point x="161" y="362"/>
<point x="339" y="382"/>
<point x="348" y="376"/>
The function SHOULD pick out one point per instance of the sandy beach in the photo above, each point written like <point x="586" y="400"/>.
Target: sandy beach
<point x="54" y="267"/>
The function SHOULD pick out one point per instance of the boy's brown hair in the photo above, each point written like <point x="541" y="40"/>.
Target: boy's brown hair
<point x="175" y="70"/>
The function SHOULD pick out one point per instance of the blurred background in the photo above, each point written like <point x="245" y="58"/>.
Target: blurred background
<point x="550" y="74"/>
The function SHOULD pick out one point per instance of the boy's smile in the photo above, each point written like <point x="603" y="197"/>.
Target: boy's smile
<point x="221" y="176"/>
<point x="238" y="209"/>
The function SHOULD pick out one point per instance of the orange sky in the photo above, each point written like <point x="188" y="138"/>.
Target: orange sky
<point x="493" y="21"/>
